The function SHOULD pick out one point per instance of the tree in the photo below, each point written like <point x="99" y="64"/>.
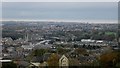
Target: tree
<point x="109" y="59"/>
<point x="39" y="52"/>
<point x="53" y="60"/>
<point x="62" y="51"/>
<point x="9" y="65"/>
<point x="81" y="51"/>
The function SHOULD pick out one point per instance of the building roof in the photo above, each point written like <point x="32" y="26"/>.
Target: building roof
<point x="37" y="59"/>
<point x="24" y="63"/>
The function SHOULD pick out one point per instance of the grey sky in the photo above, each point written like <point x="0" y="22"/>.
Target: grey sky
<point x="59" y="0"/>
<point x="60" y="10"/>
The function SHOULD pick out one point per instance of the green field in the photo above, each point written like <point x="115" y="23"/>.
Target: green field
<point x="110" y="33"/>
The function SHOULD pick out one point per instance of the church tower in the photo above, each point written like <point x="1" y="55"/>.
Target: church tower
<point x="26" y="36"/>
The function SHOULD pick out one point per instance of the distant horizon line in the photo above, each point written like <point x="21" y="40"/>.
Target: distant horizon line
<point x="77" y="21"/>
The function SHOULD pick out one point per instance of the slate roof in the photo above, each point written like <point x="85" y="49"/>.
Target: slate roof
<point x="24" y="63"/>
<point x="37" y="59"/>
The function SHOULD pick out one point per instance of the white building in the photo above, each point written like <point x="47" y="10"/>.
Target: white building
<point x="63" y="61"/>
<point x="87" y="40"/>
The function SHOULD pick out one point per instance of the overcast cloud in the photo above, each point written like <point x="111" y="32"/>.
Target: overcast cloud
<point x="60" y="10"/>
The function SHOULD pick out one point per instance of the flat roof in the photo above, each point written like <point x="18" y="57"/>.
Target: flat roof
<point x="5" y="60"/>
